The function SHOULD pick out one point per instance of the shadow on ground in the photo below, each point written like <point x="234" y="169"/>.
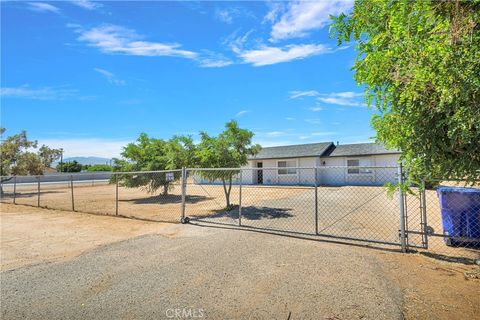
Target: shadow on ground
<point x="27" y="194"/>
<point x="252" y="213"/>
<point x="167" y="199"/>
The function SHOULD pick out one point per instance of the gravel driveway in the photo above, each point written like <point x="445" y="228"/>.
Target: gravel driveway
<point x="210" y="273"/>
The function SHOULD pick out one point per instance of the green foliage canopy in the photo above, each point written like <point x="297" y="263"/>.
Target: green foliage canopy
<point x="150" y="154"/>
<point x="18" y="156"/>
<point x="230" y="149"/>
<point x="97" y="167"/>
<point x="420" y="64"/>
<point x="69" y="166"/>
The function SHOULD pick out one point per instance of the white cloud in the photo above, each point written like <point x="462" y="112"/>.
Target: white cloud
<point x="226" y="15"/>
<point x="266" y="55"/>
<point x="210" y="59"/>
<point x="301" y="17"/>
<point x="289" y="118"/>
<point x="347" y="98"/>
<point x="299" y="94"/>
<point x="96" y="147"/>
<point x="117" y="39"/>
<point x="43" y="7"/>
<point x="277" y="134"/>
<point x="316" y="109"/>
<point x="86" y="4"/>
<point x="276" y="9"/>
<point x="323" y="134"/>
<point x="241" y="113"/>
<point x="313" y="121"/>
<point x="110" y="77"/>
<point x="45" y="93"/>
<point x="212" y="63"/>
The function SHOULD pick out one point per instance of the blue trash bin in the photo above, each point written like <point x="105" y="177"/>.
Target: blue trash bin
<point x="460" y="215"/>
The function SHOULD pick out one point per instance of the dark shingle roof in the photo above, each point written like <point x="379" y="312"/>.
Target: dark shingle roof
<point x="293" y="151"/>
<point x="359" y="149"/>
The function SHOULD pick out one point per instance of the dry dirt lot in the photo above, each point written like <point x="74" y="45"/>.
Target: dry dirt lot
<point x="60" y="264"/>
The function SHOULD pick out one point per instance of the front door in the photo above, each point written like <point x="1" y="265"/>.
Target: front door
<point x="259" y="173"/>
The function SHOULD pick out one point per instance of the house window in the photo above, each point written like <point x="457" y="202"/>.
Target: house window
<point x="358" y="163"/>
<point x="288" y="167"/>
<point x="353" y="163"/>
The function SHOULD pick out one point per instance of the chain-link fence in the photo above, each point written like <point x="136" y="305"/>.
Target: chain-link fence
<point x="349" y="203"/>
<point x="153" y="196"/>
<point x="345" y="203"/>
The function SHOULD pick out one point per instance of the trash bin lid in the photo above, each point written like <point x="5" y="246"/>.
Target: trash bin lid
<point x="458" y="190"/>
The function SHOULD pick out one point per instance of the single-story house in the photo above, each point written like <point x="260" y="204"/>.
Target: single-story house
<point x="332" y="161"/>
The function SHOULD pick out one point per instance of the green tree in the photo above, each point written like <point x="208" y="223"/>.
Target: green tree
<point x="49" y="155"/>
<point x="230" y="149"/>
<point x="97" y="167"/>
<point x="149" y="154"/>
<point x="419" y="62"/>
<point x="18" y="156"/>
<point x="69" y="166"/>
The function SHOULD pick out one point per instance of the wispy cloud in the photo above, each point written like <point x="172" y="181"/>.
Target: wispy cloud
<point x="299" y="94"/>
<point x="210" y="59"/>
<point x="277" y="134"/>
<point x="228" y="15"/>
<point x="316" y="109"/>
<point x="267" y="55"/>
<point x="114" y="39"/>
<point x="120" y="40"/>
<point x="302" y="17"/>
<point x="241" y="113"/>
<point x="43" y="7"/>
<point x="86" y="4"/>
<point x="347" y="98"/>
<point x="45" y="93"/>
<point x="289" y="118"/>
<point x="313" y="120"/>
<point x="110" y="77"/>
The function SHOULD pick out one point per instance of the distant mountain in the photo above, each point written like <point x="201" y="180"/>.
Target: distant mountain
<point x="88" y="160"/>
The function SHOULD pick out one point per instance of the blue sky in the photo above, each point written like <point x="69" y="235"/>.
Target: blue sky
<point x="90" y="76"/>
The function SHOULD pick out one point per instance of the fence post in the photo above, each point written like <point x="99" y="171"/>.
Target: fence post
<point x="316" y="200"/>
<point x="71" y="187"/>
<point x="403" y="242"/>
<point x="423" y="202"/>
<point x="116" y="194"/>
<point x="184" y="192"/>
<point x="14" y="189"/>
<point x="38" y="191"/>
<point x="240" y="200"/>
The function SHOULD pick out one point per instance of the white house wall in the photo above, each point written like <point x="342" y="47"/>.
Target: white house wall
<point x="329" y="175"/>
<point x="331" y="171"/>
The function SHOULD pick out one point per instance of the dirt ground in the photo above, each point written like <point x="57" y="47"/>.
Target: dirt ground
<point x="430" y="288"/>
<point x="30" y="235"/>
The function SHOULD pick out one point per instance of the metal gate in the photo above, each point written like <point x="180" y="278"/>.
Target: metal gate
<point x="344" y="203"/>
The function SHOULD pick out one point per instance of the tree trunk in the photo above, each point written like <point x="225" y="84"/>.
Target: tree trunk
<point x="227" y="191"/>
<point x="1" y="184"/>
<point x="165" y="190"/>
